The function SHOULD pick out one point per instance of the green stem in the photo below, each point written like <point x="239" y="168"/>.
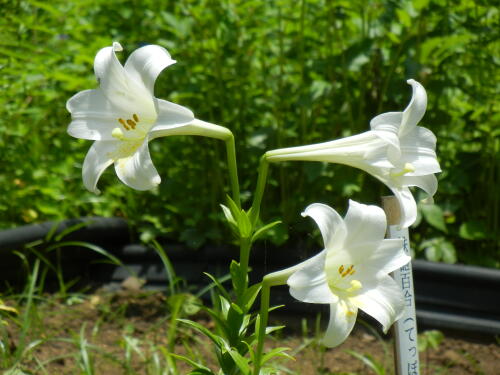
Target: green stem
<point x="245" y="245"/>
<point x="265" y="293"/>
<point x="206" y="129"/>
<point x="259" y="189"/>
<point x="233" y="169"/>
<point x="272" y="279"/>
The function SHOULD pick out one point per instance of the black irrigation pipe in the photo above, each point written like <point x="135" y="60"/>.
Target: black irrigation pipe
<point x="454" y="297"/>
<point x="94" y="230"/>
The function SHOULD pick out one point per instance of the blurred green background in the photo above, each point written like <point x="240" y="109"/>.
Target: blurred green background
<point x="278" y="74"/>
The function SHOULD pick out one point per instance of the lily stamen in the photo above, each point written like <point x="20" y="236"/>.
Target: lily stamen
<point x="131" y="123"/>
<point x="122" y="121"/>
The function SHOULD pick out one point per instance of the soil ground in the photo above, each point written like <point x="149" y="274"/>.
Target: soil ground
<point x="104" y="319"/>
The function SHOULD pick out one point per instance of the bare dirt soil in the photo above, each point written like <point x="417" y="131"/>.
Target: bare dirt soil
<point x="104" y="319"/>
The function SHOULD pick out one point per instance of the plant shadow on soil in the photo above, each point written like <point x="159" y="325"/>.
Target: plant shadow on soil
<point x="105" y="318"/>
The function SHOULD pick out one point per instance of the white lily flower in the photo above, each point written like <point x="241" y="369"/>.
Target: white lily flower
<point x="352" y="272"/>
<point x="396" y="151"/>
<point x="122" y="116"/>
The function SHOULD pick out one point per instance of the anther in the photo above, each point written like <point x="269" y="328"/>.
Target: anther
<point x="341" y="269"/>
<point x="122" y="121"/>
<point x="136" y="118"/>
<point x="131" y="123"/>
<point x="347" y="271"/>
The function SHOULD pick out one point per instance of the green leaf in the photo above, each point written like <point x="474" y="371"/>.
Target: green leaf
<point x="218" y="285"/>
<point x="262" y="230"/>
<point x="220" y="321"/>
<point x="250" y="295"/>
<point x="276" y="352"/>
<point x="238" y="217"/>
<point x="199" y="368"/>
<point x="240" y="361"/>
<point x="434" y="216"/>
<point x="433" y="253"/>
<point x="237" y="277"/>
<point x="448" y="252"/>
<point x="439" y="249"/>
<point x="230" y="219"/>
<point x="473" y="230"/>
<point x="236" y="326"/>
<point x="219" y="341"/>
<point x="369" y="361"/>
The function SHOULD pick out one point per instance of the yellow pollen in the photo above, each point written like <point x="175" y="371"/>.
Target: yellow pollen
<point x="341" y="269"/>
<point x="350" y="313"/>
<point x="122" y="121"/>
<point x="348" y="271"/>
<point x="117" y="133"/>
<point x="131" y="123"/>
<point x="136" y="118"/>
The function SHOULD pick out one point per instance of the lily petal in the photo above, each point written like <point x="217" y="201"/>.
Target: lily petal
<point x="418" y="148"/>
<point x="119" y="88"/>
<point x="92" y="116"/>
<point x="385" y="302"/>
<point x="407" y="204"/>
<point x="146" y="63"/>
<point x="96" y="161"/>
<point x="309" y="283"/>
<point x="330" y="223"/>
<point x="387" y="257"/>
<point x="137" y="170"/>
<point x="342" y="318"/>
<point x="172" y="114"/>
<point x="415" y="110"/>
<point x="427" y="183"/>
<point x="365" y="223"/>
<point x="195" y="127"/>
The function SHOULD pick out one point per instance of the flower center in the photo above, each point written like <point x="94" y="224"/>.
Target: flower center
<point x="129" y="125"/>
<point x="342" y="281"/>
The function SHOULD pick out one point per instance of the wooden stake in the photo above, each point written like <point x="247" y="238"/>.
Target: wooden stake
<point x="405" y="329"/>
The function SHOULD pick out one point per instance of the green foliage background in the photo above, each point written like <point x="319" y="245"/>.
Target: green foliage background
<point x="277" y="73"/>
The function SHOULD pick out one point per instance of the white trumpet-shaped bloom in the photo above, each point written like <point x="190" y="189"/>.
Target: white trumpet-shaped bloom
<point x="351" y="273"/>
<point x="122" y="116"/>
<point x="396" y="151"/>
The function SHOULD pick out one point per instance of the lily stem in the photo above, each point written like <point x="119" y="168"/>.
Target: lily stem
<point x="233" y="169"/>
<point x="272" y="279"/>
<point x="245" y="245"/>
<point x="259" y="189"/>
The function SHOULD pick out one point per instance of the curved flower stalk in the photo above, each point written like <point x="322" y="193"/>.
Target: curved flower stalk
<point x="351" y="273"/>
<point x="396" y="151"/>
<point x="122" y="116"/>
